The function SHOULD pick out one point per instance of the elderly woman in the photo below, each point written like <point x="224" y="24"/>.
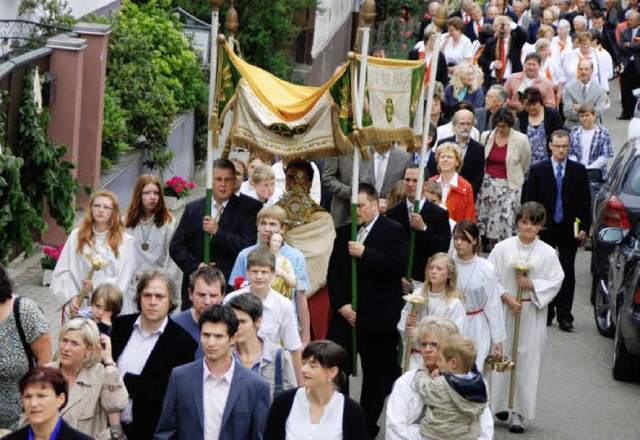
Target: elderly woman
<point x="538" y="122"/>
<point x="457" y="193"/>
<point x="404" y="406"/>
<point x="317" y="408"/>
<point x="18" y="352"/>
<point x="561" y="44"/>
<point x="101" y="238"/>
<point x="457" y="47"/>
<point x="545" y="31"/>
<point x="44" y="394"/>
<point x="95" y="389"/>
<point x="465" y="85"/>
<point x="549" y="65"/>
<point x="508" y="157"/>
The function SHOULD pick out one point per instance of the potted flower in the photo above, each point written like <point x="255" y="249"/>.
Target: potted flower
<point x="175" y="191"/>
<point x="48" y="262"/>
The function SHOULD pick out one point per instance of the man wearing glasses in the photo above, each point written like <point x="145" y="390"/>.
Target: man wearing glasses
<point x="562" y="187"/>
<point x="231" y="225"/>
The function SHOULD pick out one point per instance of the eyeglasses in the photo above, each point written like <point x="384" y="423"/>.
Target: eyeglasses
<point x="99" y="207"/>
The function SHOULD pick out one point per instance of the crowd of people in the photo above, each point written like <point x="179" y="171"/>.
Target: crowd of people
<point x="159" y="344"/>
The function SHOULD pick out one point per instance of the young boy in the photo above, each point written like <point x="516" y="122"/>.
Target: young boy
<point x="278" y="319"/>
<point x="263" y="181"/>
<point x="455" y="394"/>
<point x="106" y="303"/>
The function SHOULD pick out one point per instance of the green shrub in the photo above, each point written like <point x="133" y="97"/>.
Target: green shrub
<point x="115" y="136"/>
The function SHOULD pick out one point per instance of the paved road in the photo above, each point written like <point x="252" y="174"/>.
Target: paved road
<point x="578" y="397"/>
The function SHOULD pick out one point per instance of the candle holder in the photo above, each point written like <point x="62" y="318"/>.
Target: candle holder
<point x="416" y="300"/>
<point x="97" y="263"/>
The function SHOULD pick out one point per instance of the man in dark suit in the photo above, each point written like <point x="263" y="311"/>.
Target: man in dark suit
<point x="198" y="406"/>
<point x="146" y="347"/>
<point x="562" y="187"/>
<point x="629" y="46"/>
<point x="386" y="167"/>
<point x="381" y="258"/>
<point x="433" y="233"/>
<point x="472" y="151"/>
<point x="501" y="55"/>
<point x="231" y="224"/>
<point x="473" y="27"/>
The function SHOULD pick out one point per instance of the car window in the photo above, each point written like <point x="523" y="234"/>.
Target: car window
<point x="613" y="172"/>
<point x="631" y="182"/>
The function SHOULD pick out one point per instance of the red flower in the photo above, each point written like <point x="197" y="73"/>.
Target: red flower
<point x="407" y="34"/>
<point x="401" y="20"/>
<point x="404" y="11"/>
<point x="404" y="46"/>
<point x="427" y="16"/>
<point x="238" y="282"/>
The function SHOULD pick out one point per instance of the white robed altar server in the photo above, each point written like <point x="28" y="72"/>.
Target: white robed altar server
<point x="103" y="237"/>
<point x="444" y="300"/>
<point x="541" y="286"/>
<point x="478" y="283"/>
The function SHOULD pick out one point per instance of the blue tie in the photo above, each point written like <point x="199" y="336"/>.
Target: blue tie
<point x="557" y="216"/>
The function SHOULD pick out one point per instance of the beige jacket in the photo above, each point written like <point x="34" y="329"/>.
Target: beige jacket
<point x="95" y="394"/>
<point x="518" y="155"/>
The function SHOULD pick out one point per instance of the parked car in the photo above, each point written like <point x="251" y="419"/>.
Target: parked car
<point x="633" y="129"/>
<point x="616" y="205"/>
<point x="622" y="292"/>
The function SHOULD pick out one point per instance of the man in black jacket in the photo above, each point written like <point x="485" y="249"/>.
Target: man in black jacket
<point x="146" y="347"/>
<point x="380" y="251"/>
<point x="562" y="187"/>
<point x="231" y="224"/>
<point x="501" y="55"/>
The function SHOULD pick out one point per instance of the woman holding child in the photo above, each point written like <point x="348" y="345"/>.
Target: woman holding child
<point x="541" y="285"/>
<point x="101" y="241"/>
<point x="96" y="388"/>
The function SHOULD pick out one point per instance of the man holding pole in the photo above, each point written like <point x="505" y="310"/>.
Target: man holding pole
<point x="231" y="225"/>
<point x="381" y="258"/>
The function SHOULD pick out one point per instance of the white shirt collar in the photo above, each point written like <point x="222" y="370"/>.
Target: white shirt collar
<point x="159" y="330"/>
<point x="226" y="376"/>
<point x="452" y="182"/>
<point x="370" y="225"/>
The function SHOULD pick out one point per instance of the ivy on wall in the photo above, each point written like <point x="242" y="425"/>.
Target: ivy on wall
<point x="45" y="175"/>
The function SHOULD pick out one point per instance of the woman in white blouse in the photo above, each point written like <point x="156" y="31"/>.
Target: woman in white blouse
<point x="318" y="410"/>
<point x="478" y="282"/>
<point x="151" y="225"/>
<point x="101" y="238"/>
<point x="456" y="46"/>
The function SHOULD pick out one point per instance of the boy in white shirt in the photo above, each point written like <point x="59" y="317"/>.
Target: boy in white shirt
<point x="279" y="323"/>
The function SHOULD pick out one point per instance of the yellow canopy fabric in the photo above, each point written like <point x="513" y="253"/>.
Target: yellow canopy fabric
<point x="288" y="101"/>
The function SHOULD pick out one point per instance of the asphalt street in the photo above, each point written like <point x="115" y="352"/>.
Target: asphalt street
<point x="578" y="399"/>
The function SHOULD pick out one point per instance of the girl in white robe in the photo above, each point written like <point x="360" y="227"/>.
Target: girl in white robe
<point x="478" y="283"/>
<point x="102" y="237"/>
<point x="540" y="287"/>
<point x="151" y="225"/>
<point x="443" y="299"/>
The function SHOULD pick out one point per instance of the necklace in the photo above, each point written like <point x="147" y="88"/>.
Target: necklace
<point x="148" y="225"/>
<point x="473" y="269"/>
<point x="523" y="250"/>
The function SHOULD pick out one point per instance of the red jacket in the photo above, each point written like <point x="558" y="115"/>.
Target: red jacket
<point x="460" y="202"/>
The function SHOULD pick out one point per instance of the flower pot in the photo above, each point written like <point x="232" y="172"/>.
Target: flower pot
<point x="174" y="203"/>
<point x="46" y="276"/>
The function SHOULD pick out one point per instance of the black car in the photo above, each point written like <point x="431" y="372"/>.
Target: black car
<point x="616" y="205"/>
<point x="622" y="299"/>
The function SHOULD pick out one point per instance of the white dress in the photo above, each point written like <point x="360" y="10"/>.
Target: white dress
<point x="157" y="254"/>
<point x="73" y="267"/>
<point x="437" y="306"/>
<point x="547" y="276"/>
<point x="485" y="320"/>
<point x="300" y="427"/>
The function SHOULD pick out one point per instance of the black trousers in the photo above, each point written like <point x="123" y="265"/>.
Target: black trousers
<point x="561" y="236"/>
<point x="630" y="80"/>
<point x="378" y="355"/>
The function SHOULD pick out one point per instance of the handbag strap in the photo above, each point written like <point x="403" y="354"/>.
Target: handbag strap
<point x="23" y="339"/>
<point x="278" y="379"/>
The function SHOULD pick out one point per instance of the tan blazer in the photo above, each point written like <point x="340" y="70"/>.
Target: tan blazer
<point x="94" y="394"/>
<point x="518" y="155"/>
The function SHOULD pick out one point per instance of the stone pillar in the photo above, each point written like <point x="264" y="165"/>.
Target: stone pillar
<point x="66" y="64"/>
<point x="92" y="104"/>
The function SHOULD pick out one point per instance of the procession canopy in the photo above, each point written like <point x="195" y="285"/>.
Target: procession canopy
<point x="261" y="111"/>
